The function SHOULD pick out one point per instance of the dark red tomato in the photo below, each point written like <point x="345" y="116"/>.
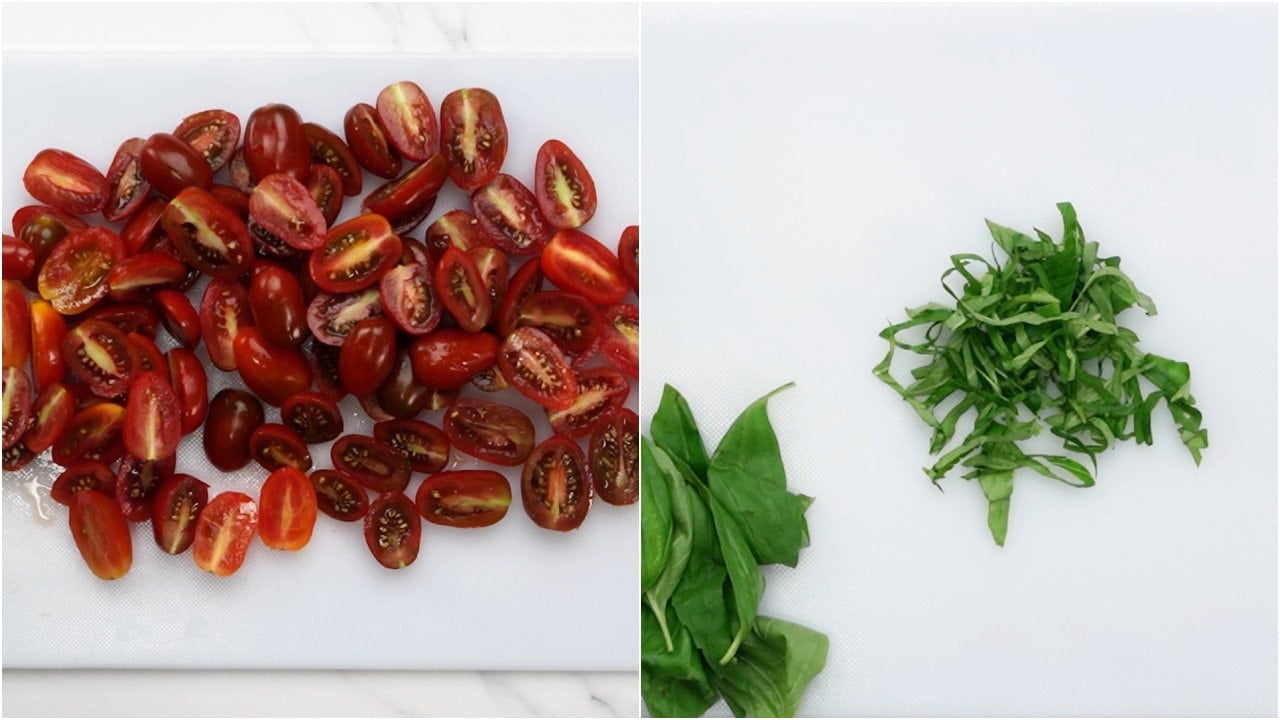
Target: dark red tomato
<point x="274" y="142"/>
<point x="73" y="277"/>
<point x="278" y="306"/>
<point x="324" y="368"/>
<point x="329" y="149"/>
<point x="367" y="356"/>
<point x="447" y="358"/>
<point x="629" y="255"/>
<point x="565" y="191"/>
<point x="282" y="206"/>
<point x="87" y="475"/>
<point x="16" y="323"/>
<point x="224" y="531"/>
<point x="137" y="482"/>
<point x="152" y="423"/>
<point x="524" y="282"/>
<point x="401" y="395"/>
<point x="409" y="298"/>
<point x="175" y="511"/>
<point x="132" y="278"/>
<point x="68" y="183"/>
<point x="355" y="254"/>
<point x="473" y="136"/>
<point x="425" y="445"/>
<point x="48" y="328"/>
<point x="407" y="200"/>
<point x="602" y="391"/>
<point x="128" y="189"/>
<point x="17" y="405"/>
<point x="464" y="498"/>
<point x="312" y="416"/>
<point x="50" y="415"/>
<point x="373" y="463"/>
<point x="273" y="373"/>
<point x="146" y="352"/>
<point x="620" y="338"/>
<point x="499" y="434"/>
<point x="17" y="457"/>
<point x="373" y="408"/>
<point x="235" y="199"/>
<point x="393" y="530"/>
<point x="224" y="312"/>
<point x="409" y="118"/>
<point x="554" y="486"/>
<point x="368" y="141"/>
<point x="275" y="446"/>
<point x="331" y="316"/>
<point x="287" y="509"/>
<point x="180" y="317"/>
<point x="93" y="434"/>
<point x="325" y="185"/>
<point x="456" y="228"/>
<point x="233" y="416"/>
<point x="143" y="226"/>
<point x="339" y="496"/>
<point x="19" y="258"/>
<point x="42" y="232"/>
<point x="100" y="356"/>
<point x="213" y="134"/>
<point x="509" y="217"/>
<point x="537" y="368"/>
<point x="462" y="290"/>
<point x="495" y="268"/>
<point x="209" y="236"/>
<point x="127" y="317"/>
<point x="191" y="385"/>
<point x="579" y="263"/>
<point x="171" y="165"/>
<point x="569" y="320"/>
<point x="47" y="219"/>
<point x="101" y="534"/>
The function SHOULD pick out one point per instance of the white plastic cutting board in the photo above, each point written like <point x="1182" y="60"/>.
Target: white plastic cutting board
<point x="511" y="596"/>
<point x="809" y="170"/>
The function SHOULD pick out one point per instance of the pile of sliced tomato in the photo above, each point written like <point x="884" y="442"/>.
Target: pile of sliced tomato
<point x="306" y="308"/>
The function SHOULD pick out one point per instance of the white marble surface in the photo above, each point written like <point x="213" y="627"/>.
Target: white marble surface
<point x="320" y="28"/>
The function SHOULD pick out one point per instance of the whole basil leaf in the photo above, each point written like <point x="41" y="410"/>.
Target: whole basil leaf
<point x="750" y="446"/>
<point x="655" y="517"/>
<point x="674" y="430"/>
<point x="659" y="593"/>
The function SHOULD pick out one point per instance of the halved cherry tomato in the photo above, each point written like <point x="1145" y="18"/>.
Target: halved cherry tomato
<point x="464" y="498"/>
<point x="42" y="231"/>
<point x="414" y="252"/>
<point x="275" y="446"/>
<point x="312" y="416"/>
<point x="127" y="187"/>
<point x="233" y="416"/>
<point x="224" y="531"/>
<point x="331" y="316"/>
<point x="368" y="141"/>
<point x="152" y="428"/>
<point x="224" y="312"/>
<point x="565" y="191"/>
<point x="100" y="355"/>
<point x="401" y="395"/>
<point x="447" y="358"/>
<point x="87" y="475"/>
<point x="456" y="228"/>
<point x="373" y="463"/>
<point x="525" y="282"/>
<point x="325" y="185"/>
<point x="68" y="183"/>
<point x="494" y="268"/>
<point x="537" y="368"/>
<point x="579" y="263"/>
<point x="146" y="352"/>
<point x="409" y="118"/>
<point x="473" y="136"/>
<point x="613" y="458"/>
<point x="73" y="277"/>
<point x="620" y="338"/>
<point x="179" y="317"/>
<point x="569" y="320"/>
<point x="497" y="433"/>
<point x="274" y="142"/>
<point x="329" y="149"/>
<point x="126" y="317"/>
<point x="409" y="298"/>
<point x="175" y="511"/>
<point x="268" y="244"/>
<point x="282" y="205"/>
<point x="16" y="322"/>
<point x="393" y="530"/>
<point x="212" y="238"/>
<point x="355" y="254"/>
<point x="143" y="226"/>
<point x="19" y="258"/>
<point x="171" y="165"/>
<point x="101" y="534"/>
<point x="278" y="306"/>
<point x="17" y="405"/>
<point x="509" y="216"/>
<point x="133" y="277"/>
<point x="273" y="373"/>
<point x="407" y="200"/>
<point x="213" y="134"/>
<point x="287" y="509"/>
<point x="137" y="482"/>
<point x="462" y="290"/>
<point x="367" y="356"/>
<point x="602" y="391"/>
<point x="629" y="255"/>
<point x="92" y="434"/>
<point x="191" y="385"/>
<point x="339" y="496"/>
<point x="48" y="328"/>
<point x="17" y="457"/>
<point x="425" y="445"/>
<point x="48" y="219"/>
<point x="554" y="486"/>
<point x="50" y="415"/>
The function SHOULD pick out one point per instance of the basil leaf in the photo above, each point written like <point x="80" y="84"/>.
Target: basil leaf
<point x="655" y="516"/>
<point x="699" y="597"/>
<point x="745" y="580"/>
<point x="659" y="593"/>
<point x="803" y="651"/>
<point x="673" y="681"/>
<point x="674" y="430"/>
<point x="750" y="446"/>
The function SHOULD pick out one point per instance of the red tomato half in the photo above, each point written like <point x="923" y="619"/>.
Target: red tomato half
<point x="273" y="373"/>
<point x="509" y="216"/>
<point x="274" y="142"/>
<point x="74" y="276"/>
<point x="579" y="263"/>
<point x="224" y="311"/>
<point x="355" y="254"/>
<point x="554" y="486"/>
<point x="224" y="532"/>
<point x="373" y="463"/>
<point x="473" y="136"/>
<point x="620" y="338"/>
<point x="448" y="358"/>
<point x="534" y="366"/>
<point x="393" y="530"/>
<point x="213" y="134"/>
<point x="152" y="424"/>
<point x="629" y="255"/>
<point x="174" y="512"/>
<point x="462" y="290"/>
<point x="100" y="355"/>
<point x="101" y="534"/>
<point x="87" y="475"/>
<point x="128" y="188"/>
<point x="409" y="119"/>
<point x="613" y="458"/>
<point x="464" y="498"/>
<point x="424" y="445"/>
<point x="60" y="179"/>
<point x="208" y="235"/>
<point x="287" y="510"/>
<point x="496" y="433"/>
<point x="339" y="496"/>
<point x="565" y="191"/>
<point x="601" y="392"/>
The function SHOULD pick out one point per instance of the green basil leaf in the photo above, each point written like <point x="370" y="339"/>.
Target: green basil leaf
<point x="745" y="579"/>
<point x="673" y="681"/>
<point x="659" y="593"/>
<point x="674" y="430"/>
<point x="655" y="516"/>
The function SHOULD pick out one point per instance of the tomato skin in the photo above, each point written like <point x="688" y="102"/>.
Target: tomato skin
<point x="278" y="306"/>
<point x="401" y="395"/>
<point x="568" y="319"/>
<point x="272" y="373"/>
<point x="233" y="416"/>
<point x="423" y="444"/>
<point x="73" y="277"/>
<point x="579" y="263"/>
<point x="524" y="282"/>
<point x="138" y="481"/>
<point x="371" y="462"/>
<point x="366" y="358"/>
<point x="213" y="134"/>
<point x="509" y="216"/>
<point x="171" y="165"/>
<point x="179" y="317"/>
<point x="554" y="487"/>
<point x="287" y="509"/>
<point x="127" y="187"/>
<point x="68" y="183"/>
<point x="565" y="190"/>
<point x="537" y="368"/>
<point x="17" y="405"/>
<point x="224" y="531"/>
<point x="329" y="149"/>
<point x="87" y="475"/>
<point x="93" y="434"/>
<point x="629" y="255"/>
<point x="16" y="323"/>
<point x="473" y="136"/>
<point x="175" y="511"/>
<point x="100" y="355"/>
<point x="275" y="142"/>
<point x="313" y="416"/>
<point x="464" y="498"/>
<point x="493" y="432"/>
<point x="191" y="385"/>
<point x="339" y="496"/>
<point x="51" y="413"/>
<point x="447" y="358"/>
<point x="275" y="446"/>
<point x="283" y="206"/>
<point x="462" y="290"/>
<point x="368" y="141"/>
<point x="602" y="391"/>
<point x="47" y="219"/>
<point x="101" y="534"/>
<point x="407" y="200"/>
<point x="152" y="426"/>
<point x="409" y="298"/>
<point x="393" y="530"/>
<point x="208" y="236"/>
<point x="620" y="338"/>
<point x="409" y="119"/>
<point x="224" y="312"/>
<point x="355" y="254"/>
<point x="19" y="258"/>
<point x="324" y="368"/>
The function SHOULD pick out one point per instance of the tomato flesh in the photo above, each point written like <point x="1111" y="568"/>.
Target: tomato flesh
<point x="213" y="134"/>
<point x="17" y="325"/>
<point x="409" y="119"/>
<point x="191" y="385"/>
<point x="613" y="458"/>
<point x="373" y="463"/>
<point x="330" y="150"/>
<point x="128" y="187"/>
<point x="224" y="311"/>
<point x="51" y="413"/>
<point x="473" y="136"/>
<point x="537" y="368"/>
<point x="87" y="475"/>
<point x="620" y="342"/>
<point x="462" y="290"/>
<point x="74" y="276"/>
<point x="355" y="254"/>
<point x="407" y="200"/>
<point x="554" y="487"/>
<point x="138" y="481"/>
<point x="208" y="235"/>
<point x="493" y="432"/>
<point x="178" y="504"/>
<point x="393" y="530"/>
<point x="332" y="316"/>
<point x="17" y="405"/>
<point x="409" y="298"/>
<point x="424" y="445"/>
<point x="101" y="534"/>
<point x="509" y="216"/>
<point x="275" y="446"/>
<point x="339" y="496"/>
<point x="368" y="141"/>
<point x="99" y="355"/>
<point x="287" y="509"/>
<point x="93" y="434"/>
<point x="565" y="190"/>
<point x="283" y="206"/>
<point x="629" y="255"/>
<point x="601" y="392"/>
<point x="464" y="498"/>
<point x="313" y="416"/>
<point x="152" y="427"/>
<point x="224" y="531"/>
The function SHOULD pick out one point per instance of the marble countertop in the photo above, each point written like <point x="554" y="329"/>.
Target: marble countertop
<point x="321" y="28"/>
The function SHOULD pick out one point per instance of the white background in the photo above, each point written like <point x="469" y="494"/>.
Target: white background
<point x="807" y="173"/>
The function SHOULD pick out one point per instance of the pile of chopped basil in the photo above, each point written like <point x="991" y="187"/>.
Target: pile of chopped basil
<point x="1033" y="344"/>
<point x="708" y="524"/>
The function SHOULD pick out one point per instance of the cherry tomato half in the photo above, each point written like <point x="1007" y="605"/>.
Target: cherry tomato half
<point x="68" y="183"/>
<point x="174" y="512"/>
<point x="73" y="277"/>
<point x="233" y="416"/>
<point x="423" y="444"/>
<point x="224" y="311"/>
<point x="537" y="368"/>
<point x="393" y="530"/>
<point x="329" y="149"/>
<point x="208" y="235"/>
<point x="464" y="498"/>
<point x="275" y="446"/>
<point x="366" y="358"/>
<point x="565" y="191"/>
<point x="368" y="141"/>
<point x="462" y="290"/>
<point x="373" y="463"/>
<point x="613" y="458"/>
<point x="287" y="509"/>
<point x="213" y="134"/>
<point x="601" y="392"/>
<point x="152" y="426"/>
<point x="100" y="355"/>
<point x="274" y="142"/>
<point x="493" y="432"/>
<point x="579" y="263"/>
<point x="339" y="496"/>
<point x="272" y="373"/>
<point x="629" y="255"/>
<point x="355" y="254"/>
<point x="509" y="216"/>
<point x="473" y="136"/>
<point x="87" y="475"/>
<point x="101" y="534"/>
<point x="128" y="188"/>
<point x="224" y="531"/>
<point x="313" y="416"/>
<point x="171" y="165"/>
<point x="554" y="486"/>
<point x="447" y="358"/>
<point x="409" y="298"/>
